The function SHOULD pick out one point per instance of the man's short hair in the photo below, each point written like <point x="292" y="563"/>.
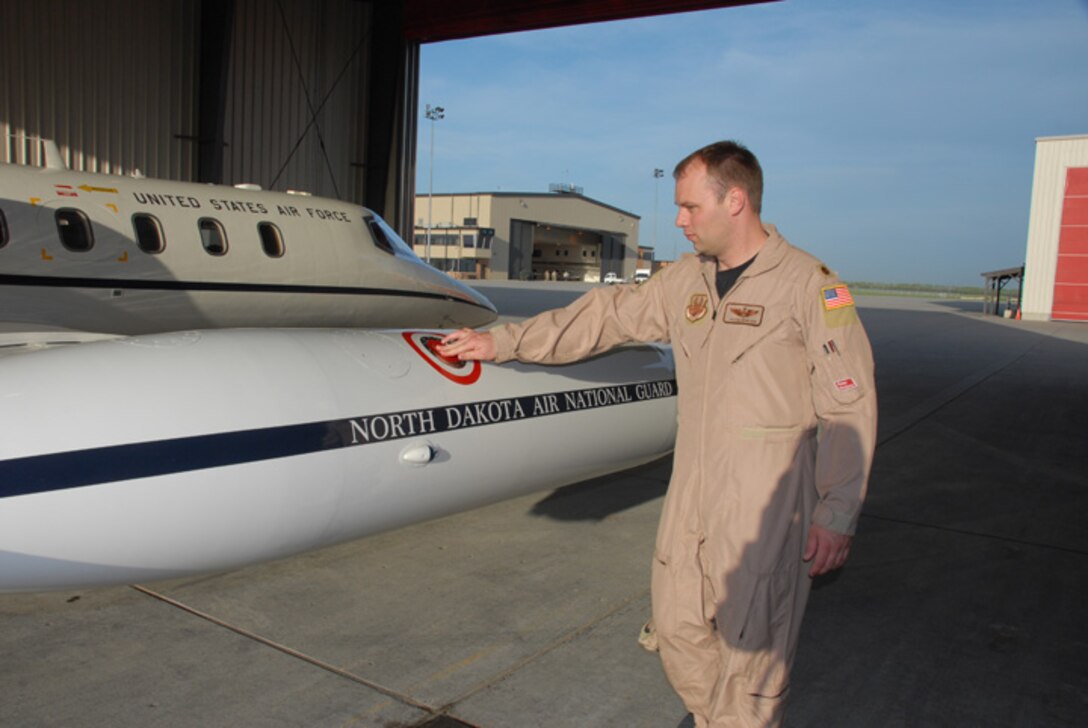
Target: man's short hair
<point x="728" y="164"/>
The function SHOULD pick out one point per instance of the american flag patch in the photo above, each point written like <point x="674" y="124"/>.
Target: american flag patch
<point x="836" y="297"/>
<point x="844" y="385"/>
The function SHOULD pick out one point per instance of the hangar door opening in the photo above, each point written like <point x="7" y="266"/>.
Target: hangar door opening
<point x="566" y="254"/>
<point x="1071" y="276"/>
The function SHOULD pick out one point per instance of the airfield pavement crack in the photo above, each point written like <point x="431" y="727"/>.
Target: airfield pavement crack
<point x="338" y="671"/>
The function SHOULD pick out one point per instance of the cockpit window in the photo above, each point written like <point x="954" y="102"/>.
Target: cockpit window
<point x="149" y="235"/>
<point x="385" y="238"/>
<point x="378" y="235"/>
<point x="271" y="239"/>
<point x="75" y="230"/>
<point x="3" y="229"/>
<point x="212" y="236"/>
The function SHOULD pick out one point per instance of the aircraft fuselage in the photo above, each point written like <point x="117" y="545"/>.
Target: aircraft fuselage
<point x="132" y="255"/>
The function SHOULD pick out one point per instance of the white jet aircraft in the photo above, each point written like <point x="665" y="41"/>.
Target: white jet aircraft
<point x="200" y="446"/>
<point x="132" y="255"/>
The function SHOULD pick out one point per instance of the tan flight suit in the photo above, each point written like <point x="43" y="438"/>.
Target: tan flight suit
<point x="776" y="430"/>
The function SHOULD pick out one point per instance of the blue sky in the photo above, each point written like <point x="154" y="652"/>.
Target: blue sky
<point x="897" y="138"/>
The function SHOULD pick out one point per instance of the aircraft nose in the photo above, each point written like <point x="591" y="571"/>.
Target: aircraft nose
<point x="485" y="310"/>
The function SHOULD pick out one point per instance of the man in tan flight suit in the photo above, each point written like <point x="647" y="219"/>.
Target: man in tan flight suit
<point x="777" y="425"/>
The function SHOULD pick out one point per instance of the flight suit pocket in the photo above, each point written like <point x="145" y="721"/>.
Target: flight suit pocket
<point x="760" y="626"/>
<point x="839" y="381"/>
<point x="774" y="333"/>
<point x="776" y="434"/>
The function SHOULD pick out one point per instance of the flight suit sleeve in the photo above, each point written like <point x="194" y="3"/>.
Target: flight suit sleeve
<point x="844" y="398"/>
<point x="600" y="320"/>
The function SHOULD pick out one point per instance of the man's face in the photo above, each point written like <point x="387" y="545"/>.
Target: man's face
<point x="704" y="218"/>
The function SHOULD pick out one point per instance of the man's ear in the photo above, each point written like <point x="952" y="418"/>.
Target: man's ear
<point x="736" y="200"/>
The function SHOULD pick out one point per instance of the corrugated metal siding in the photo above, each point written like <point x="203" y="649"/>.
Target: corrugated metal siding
<point x="111" y="81"/>
<point x="1071" y="272"/>
<point x="290" y="59"/>
<point x="1053" y="157"/>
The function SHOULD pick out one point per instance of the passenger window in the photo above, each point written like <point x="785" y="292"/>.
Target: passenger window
<point x="3" y="229"/>
<point x="212" y="236"/>
<point x="271" y="239"/>
<point x="149" y="237"/>
<point x="75" y="230"/>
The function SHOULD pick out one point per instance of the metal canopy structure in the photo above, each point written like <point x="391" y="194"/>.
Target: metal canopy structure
<point x="428" y="21"/>
<point x="996" y="280"/>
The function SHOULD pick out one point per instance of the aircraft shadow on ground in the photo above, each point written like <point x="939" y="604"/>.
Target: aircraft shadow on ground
<point x="596" y="499"/>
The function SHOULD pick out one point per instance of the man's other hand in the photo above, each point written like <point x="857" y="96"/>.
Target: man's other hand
<point x="827" y="550"/>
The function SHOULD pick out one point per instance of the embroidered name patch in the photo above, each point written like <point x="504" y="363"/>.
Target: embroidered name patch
<point x="697" y="307"/>
<point x="836" y="297"/>
<point x="748" y="314"/>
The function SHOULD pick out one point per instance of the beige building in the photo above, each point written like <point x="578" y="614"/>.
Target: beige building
<point x="559" y="235"/>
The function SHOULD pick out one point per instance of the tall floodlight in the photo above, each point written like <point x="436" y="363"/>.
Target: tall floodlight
<point x="658" y="174"/>
<point x="434" y="113"/>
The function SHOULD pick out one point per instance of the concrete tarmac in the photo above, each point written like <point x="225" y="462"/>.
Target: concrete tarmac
<point x="963" y="603"/>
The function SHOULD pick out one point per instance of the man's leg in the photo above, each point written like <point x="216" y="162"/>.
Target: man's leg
<point x="687" y="639"/>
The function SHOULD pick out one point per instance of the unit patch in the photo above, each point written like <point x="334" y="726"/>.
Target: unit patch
<point x="846" y="384"/>
<point x="836" y="297"/>
<point x="697" y="307"/>
<point x="749" y="314"/>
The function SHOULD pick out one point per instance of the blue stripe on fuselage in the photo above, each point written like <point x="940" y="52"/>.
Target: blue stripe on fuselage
<point x="113" y="463"/>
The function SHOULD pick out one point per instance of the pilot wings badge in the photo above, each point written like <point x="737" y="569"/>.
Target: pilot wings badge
<point x="748" y="314"/>
<point x="697" y="307"/>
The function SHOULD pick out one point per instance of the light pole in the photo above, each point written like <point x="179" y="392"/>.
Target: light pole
<point x="658" y="174"/>
<point x="434" y="113"/>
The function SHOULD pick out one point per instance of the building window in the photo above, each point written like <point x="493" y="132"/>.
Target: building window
<point x="271" y="239"/>
<point x="75" y="230"/>
<point x="149" y="237"/>
<point x="212" y="236"/>
<point x="469" y="241"/>
<point x="469" y="222"/>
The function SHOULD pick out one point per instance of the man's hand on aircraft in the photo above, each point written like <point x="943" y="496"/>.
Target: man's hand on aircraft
<point x="827" y="550"/>
<point x="467" y="344"/>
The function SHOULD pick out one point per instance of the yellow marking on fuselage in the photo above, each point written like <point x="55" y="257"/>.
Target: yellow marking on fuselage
<point x="90" y="188"/>
<point x="45" y="255"/>
<point x="35" y="200"/>
<point x="123" y="258"/>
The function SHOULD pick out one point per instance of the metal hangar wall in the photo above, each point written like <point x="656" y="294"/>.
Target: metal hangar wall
<point x="317" y="96"/>
<point x="1056" y="266"/>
